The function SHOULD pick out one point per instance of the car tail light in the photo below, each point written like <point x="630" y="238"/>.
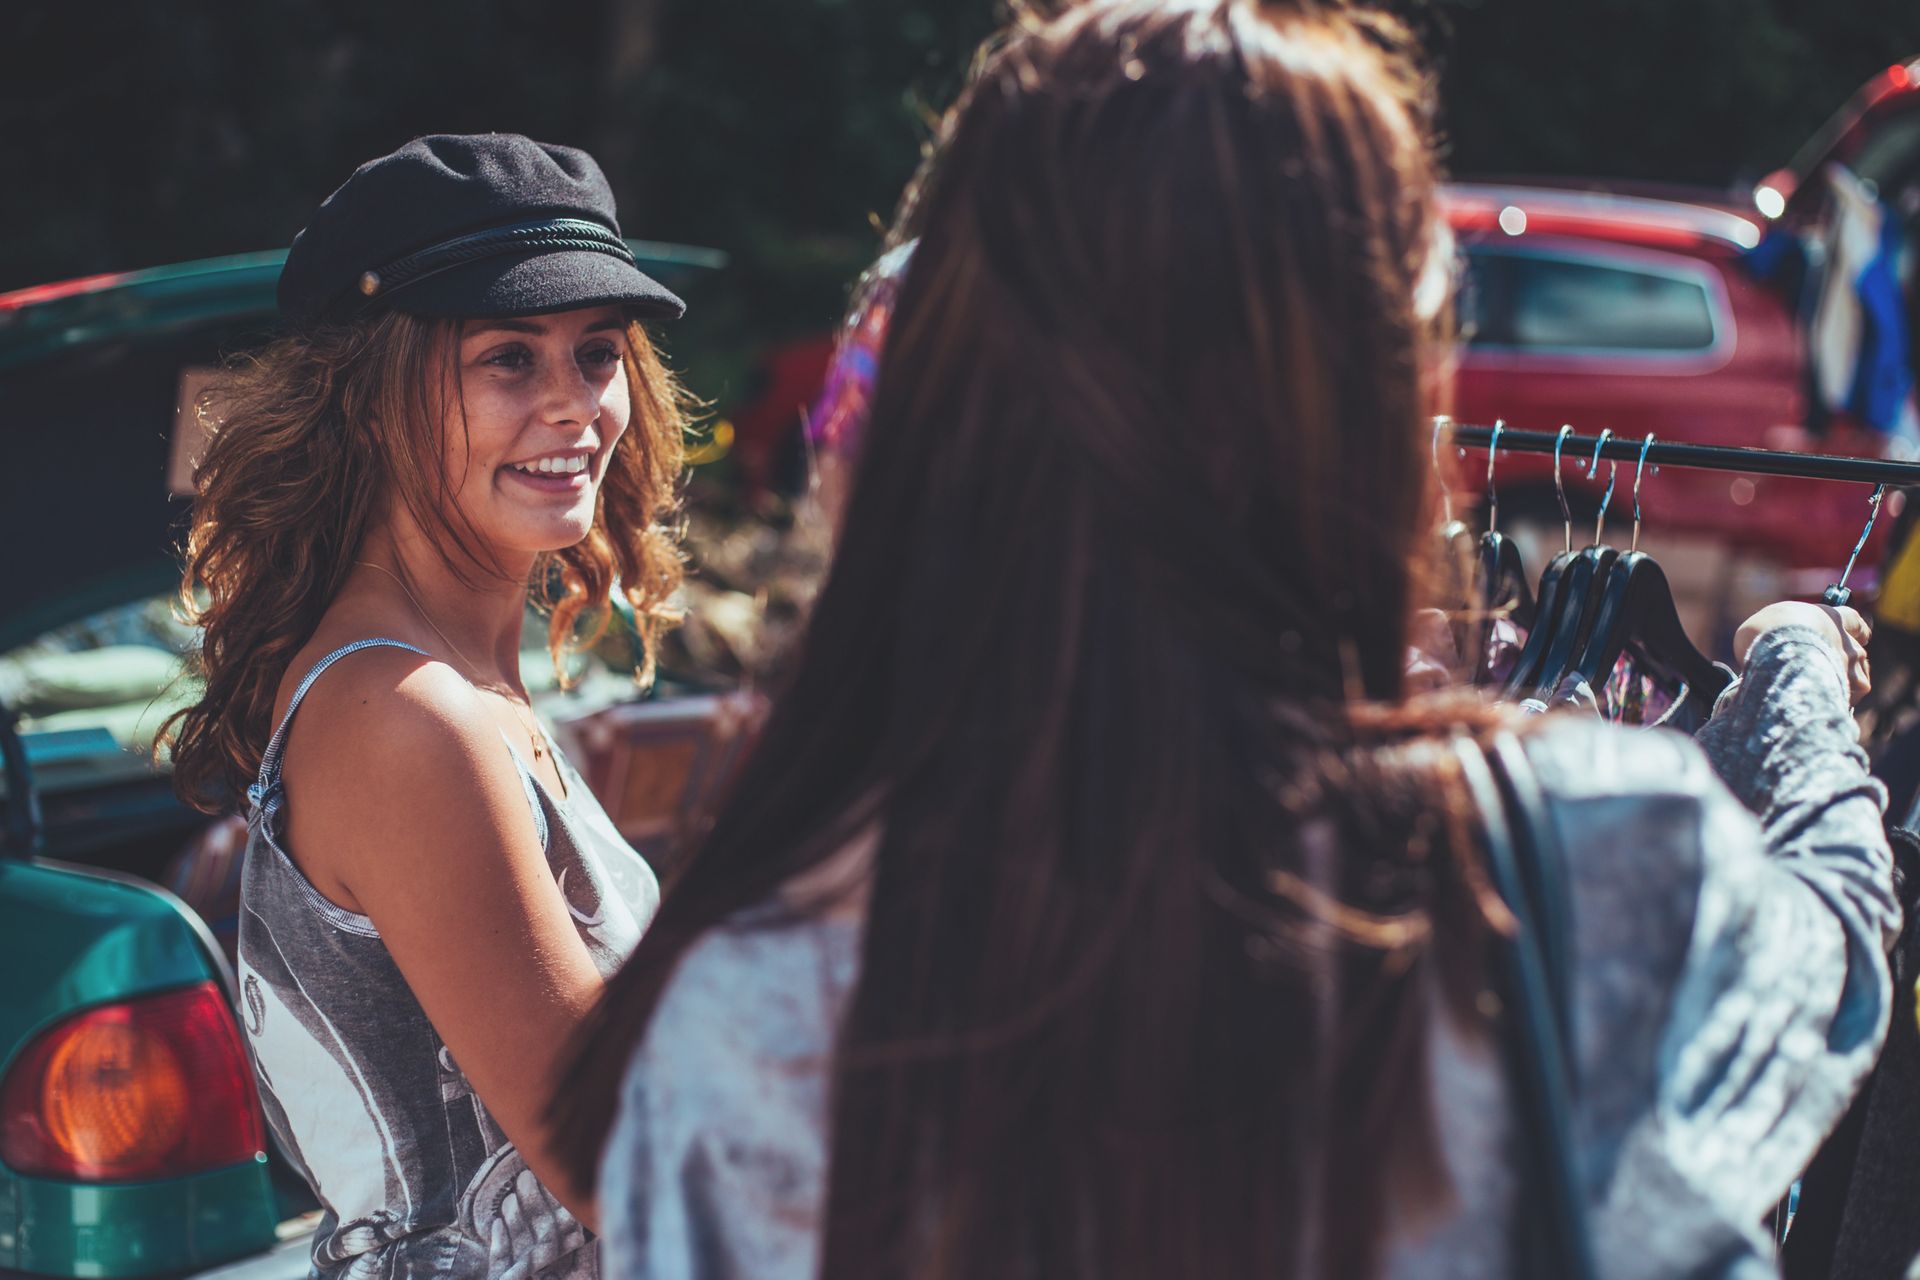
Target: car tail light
<point x="152" y="1088"/>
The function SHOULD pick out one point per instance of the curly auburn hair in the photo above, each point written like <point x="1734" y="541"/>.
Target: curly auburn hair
<point x="314" y="434"/>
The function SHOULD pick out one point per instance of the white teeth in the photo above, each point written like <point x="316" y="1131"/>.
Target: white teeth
<point x="551" y="465"/>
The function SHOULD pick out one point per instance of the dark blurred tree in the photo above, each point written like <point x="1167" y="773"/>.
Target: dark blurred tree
<point x="1714" y="92"/>
<point x="134" y="133"/>
<point x="781" y="131"/>
<point x="140" y="133"/>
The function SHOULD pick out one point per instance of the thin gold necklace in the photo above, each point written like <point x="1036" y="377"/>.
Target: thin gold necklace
<point x="535" y="734"/>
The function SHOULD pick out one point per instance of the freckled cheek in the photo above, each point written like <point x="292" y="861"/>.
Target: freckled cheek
<point x="492" y="428"/>
<point x="615" y="409"/>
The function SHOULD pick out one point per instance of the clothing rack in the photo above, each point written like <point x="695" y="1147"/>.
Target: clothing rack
<point x="1703" y="457"/>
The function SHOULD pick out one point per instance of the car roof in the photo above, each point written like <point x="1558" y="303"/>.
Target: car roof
<point x="41" y="320"/>
<point x="1686" y="222"/>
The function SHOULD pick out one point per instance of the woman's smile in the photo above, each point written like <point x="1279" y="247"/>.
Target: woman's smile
<point x="563" y="471"/>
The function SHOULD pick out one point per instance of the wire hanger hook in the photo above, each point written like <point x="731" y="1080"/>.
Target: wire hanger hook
<point x="1493" y="494"/>
<point x="1613" y="474"/>
<point x="1639" y="468"/>
<point x="1560" y="484"/>
<point x="1441" y="422"/>
<point x="1837" y="594"/>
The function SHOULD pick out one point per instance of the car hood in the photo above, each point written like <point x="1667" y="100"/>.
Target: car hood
<point x="90" y="381"/>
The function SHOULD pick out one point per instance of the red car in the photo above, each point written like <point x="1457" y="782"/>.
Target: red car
<point x="1648" y="312"/>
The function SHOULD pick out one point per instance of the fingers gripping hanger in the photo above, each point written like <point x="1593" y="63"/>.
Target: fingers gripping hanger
<point x="1838" y="594"/>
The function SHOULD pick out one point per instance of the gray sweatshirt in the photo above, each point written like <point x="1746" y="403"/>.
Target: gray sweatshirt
<point x="1733" y="906"/>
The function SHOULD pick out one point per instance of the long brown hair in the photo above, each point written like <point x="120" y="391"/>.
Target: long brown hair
<point x="1169" y="874"/>
<point x="315" y="435"/>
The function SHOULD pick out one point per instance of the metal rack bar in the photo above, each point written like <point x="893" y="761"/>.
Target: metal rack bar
<point x="1704" y="457"/>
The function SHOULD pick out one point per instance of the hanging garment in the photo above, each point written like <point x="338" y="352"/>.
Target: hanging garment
<point x="1857" y="339"/>
<point x="1855" y="1218"/>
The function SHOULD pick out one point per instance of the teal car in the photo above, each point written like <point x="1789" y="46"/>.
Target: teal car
<point x="131" y="1137"/>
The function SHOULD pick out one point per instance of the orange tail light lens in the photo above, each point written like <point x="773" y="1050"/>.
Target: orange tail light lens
<point x="152" y="1088"/>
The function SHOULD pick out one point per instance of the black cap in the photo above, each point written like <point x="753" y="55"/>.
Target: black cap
<point x="470" y="225"/>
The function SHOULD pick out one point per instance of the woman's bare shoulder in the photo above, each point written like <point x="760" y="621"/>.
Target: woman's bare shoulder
<point x="392" y="751"/>
<point x="381" y="704"/>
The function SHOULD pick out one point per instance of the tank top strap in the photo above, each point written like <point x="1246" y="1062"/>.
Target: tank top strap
<point x="264" y="794"/>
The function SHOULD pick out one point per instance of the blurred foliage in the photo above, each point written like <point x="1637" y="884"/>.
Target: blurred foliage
<point x="1715" y="92"/>
<point x="778" y="130"/>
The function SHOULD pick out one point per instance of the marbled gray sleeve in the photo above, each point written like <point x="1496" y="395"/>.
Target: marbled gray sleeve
<point x="1783" y="1000"/>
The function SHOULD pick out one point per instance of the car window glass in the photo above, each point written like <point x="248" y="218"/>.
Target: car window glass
<point x="1473" y="301"/>
<point x="1560" y="304"/>
<point x="119" y="672"/>
<point x="107" y="682"/>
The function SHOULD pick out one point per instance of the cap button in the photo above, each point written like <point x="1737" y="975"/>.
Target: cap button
<point x="369" y="282"/>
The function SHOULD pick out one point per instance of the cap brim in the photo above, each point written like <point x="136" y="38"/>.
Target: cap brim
<point x="535" y="284"/>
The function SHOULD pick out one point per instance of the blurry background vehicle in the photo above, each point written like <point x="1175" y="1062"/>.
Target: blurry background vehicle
<point x="1708" y="319"/>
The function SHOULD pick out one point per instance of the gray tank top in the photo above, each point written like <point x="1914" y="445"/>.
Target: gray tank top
<point x="414" y="1176"/>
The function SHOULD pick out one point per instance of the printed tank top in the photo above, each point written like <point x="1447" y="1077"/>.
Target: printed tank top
<point x="414" y="1176"/>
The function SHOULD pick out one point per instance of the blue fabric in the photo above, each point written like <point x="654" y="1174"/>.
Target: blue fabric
<point x="1774" y="251"/>
<point x="1883" y="379"/>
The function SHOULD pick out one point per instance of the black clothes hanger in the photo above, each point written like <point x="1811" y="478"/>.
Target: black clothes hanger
<point x="1637" y="614"/>
<point x="1503" y="577"/>
<point x="1547" y="600"/>
<point x="1581" y="595"/>
<point x="1585" y="587"/>
<point x="1504" y="593"/>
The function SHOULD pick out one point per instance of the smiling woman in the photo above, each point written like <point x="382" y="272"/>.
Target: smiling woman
<point x="460" y="420"/>
<point x="537" y="473"/>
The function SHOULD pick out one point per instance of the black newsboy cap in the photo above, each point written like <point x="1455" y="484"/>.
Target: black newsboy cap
<point x="472" y="225"/>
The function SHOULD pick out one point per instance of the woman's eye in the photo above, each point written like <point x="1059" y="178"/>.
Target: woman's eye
<point x="509" y="358"/>
<point x="601" y="355"/>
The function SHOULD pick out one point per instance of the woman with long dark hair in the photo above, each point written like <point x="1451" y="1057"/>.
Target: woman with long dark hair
<point x="466" y="415"/>
<point x="1097" y="902"/>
